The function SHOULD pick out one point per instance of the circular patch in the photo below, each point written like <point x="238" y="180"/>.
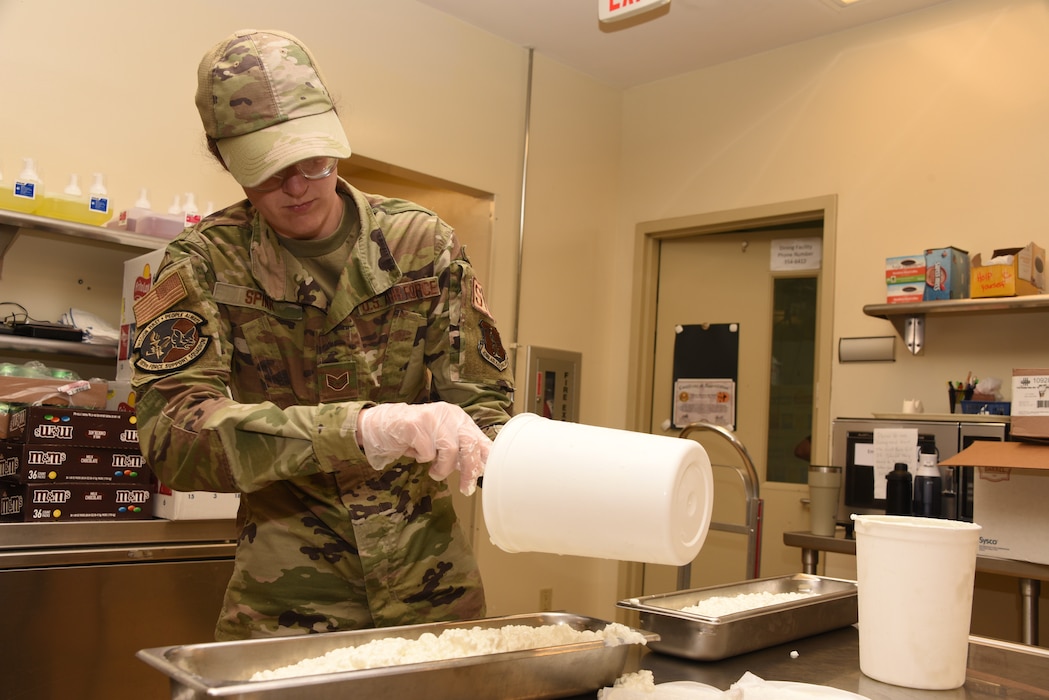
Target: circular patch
<point x="169" y="342"/>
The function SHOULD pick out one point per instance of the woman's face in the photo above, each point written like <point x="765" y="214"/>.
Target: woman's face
<point x="300" y="208"/>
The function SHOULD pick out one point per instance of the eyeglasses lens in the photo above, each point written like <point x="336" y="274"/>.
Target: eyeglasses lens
<point x="311" y="169"/>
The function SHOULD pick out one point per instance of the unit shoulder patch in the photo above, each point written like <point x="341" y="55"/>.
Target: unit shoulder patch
<point x="490" y="346"/>
<point x="171" y="341"/>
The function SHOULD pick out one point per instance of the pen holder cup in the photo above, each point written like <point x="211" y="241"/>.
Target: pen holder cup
<point x="956" y="396"/>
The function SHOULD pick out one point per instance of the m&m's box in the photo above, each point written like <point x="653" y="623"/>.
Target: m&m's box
<point x="70" y="501"/>
<point x="55" y="462"/>
<point x="73" y="426"/>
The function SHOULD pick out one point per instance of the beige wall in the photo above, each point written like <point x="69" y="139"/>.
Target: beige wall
<point x="929" y="128"/>
<point x="108" y="86"/>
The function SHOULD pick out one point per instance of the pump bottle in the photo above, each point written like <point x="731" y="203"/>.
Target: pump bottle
<point x="131" y="219"/>
<point x="928" y="488"/>
<point x="7" y="194"/>
<point x="28" y="190"/>
<point x="98" y="211"/>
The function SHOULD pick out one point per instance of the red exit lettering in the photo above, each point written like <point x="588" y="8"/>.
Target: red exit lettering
<point x="613" y="10"/>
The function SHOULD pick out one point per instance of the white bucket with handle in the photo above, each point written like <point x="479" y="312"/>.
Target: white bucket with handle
<point x="565" y="488"/>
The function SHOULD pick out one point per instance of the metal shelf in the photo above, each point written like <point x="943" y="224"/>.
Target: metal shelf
<point x="12" y="223"/>
<point x="57" y="347"/>
<point x="909" y="319"/>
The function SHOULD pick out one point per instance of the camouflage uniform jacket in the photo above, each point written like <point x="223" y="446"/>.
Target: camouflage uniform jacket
<point x="248" y="379"/>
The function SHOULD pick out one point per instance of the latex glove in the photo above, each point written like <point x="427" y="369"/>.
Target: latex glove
<point x="441" y="433"/>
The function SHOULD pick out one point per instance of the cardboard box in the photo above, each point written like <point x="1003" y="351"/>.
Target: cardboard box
<point x="905" y="268"/>
<point x="32" y="463"/>
<point x="194" y="505"/>
<point x="1030" y="404"/>
<point x="73" y="426"/>
<point x="946" y="274"/>
<point x="1010" y="490"/>
<point x="1025" y="275"/>
<point x="138" y="278"/>
<point x="120" y="396"/>
<point x="905" y="293"/>
<point x="79" y="393"/>
<point x="67" y="501"/>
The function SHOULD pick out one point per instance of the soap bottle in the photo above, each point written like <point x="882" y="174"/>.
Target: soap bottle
<point x="166" y="225"/>
<point x="7" y="194"/>
<point x="28" y="190"/>
<point x="66" y="205"/>
<point x="190" y="211"/>
<point x="131" y="219"/>
<point x="98" y="211"/>
<point x="928" y="488"/>
<point x="898" y="491"/>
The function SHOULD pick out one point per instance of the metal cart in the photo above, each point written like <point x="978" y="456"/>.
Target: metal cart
<point x="752" y="526"/>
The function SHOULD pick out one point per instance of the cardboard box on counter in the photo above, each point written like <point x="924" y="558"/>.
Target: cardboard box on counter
<point x="28" y="463"/>
<point x="946" y="274"/>
<point x="121" y="397"/>
<point x="73" y="426"/>
<point x="1030" y="403"/>
<point x="80" y="393"/>
<point x="194" y="505"/>
<point x="1025" y="275"/>
<point x="67" y="501"/>
<point x="1010" y="490"/>
<point x="138" y="278"/>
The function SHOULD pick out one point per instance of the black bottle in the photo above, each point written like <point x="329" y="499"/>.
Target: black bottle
<point x="928" y="488"/>
<point x="898" y="491"/>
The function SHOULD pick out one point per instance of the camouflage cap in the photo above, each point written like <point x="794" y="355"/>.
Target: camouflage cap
<point x="261" y="97"/>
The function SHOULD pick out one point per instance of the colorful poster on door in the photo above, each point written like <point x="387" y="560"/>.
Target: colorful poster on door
<point x="705" y="400"/>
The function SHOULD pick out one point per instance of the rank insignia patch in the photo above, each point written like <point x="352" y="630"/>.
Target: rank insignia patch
<point x="169" y="342"/>
<point x="490" y="346"/>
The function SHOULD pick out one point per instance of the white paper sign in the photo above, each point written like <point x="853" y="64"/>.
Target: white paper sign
<point x="892" y="445"/>
<point x="796" y="254"/>
<point x="707" y="400"/>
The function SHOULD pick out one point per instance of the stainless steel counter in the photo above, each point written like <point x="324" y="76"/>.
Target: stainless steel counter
<point x="81" y="598"/>
<point x="65" y="544"/>
<point x="995" y="669"/>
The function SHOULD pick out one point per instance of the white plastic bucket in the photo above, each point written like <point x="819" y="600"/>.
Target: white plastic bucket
<point x="915" y="588"/>
<point x="565" y="488"/>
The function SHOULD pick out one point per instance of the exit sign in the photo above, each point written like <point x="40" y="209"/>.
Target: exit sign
<point x="615" y="10"/>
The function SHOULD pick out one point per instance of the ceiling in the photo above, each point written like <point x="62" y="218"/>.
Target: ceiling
<point x="683" y="36"/>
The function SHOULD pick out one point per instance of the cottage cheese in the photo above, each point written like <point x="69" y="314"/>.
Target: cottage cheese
<point x="452" y="643"/>
<point x="717" y="606"/>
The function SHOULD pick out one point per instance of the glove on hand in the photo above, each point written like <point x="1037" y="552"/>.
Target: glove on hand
<point x="441" y="433"/>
